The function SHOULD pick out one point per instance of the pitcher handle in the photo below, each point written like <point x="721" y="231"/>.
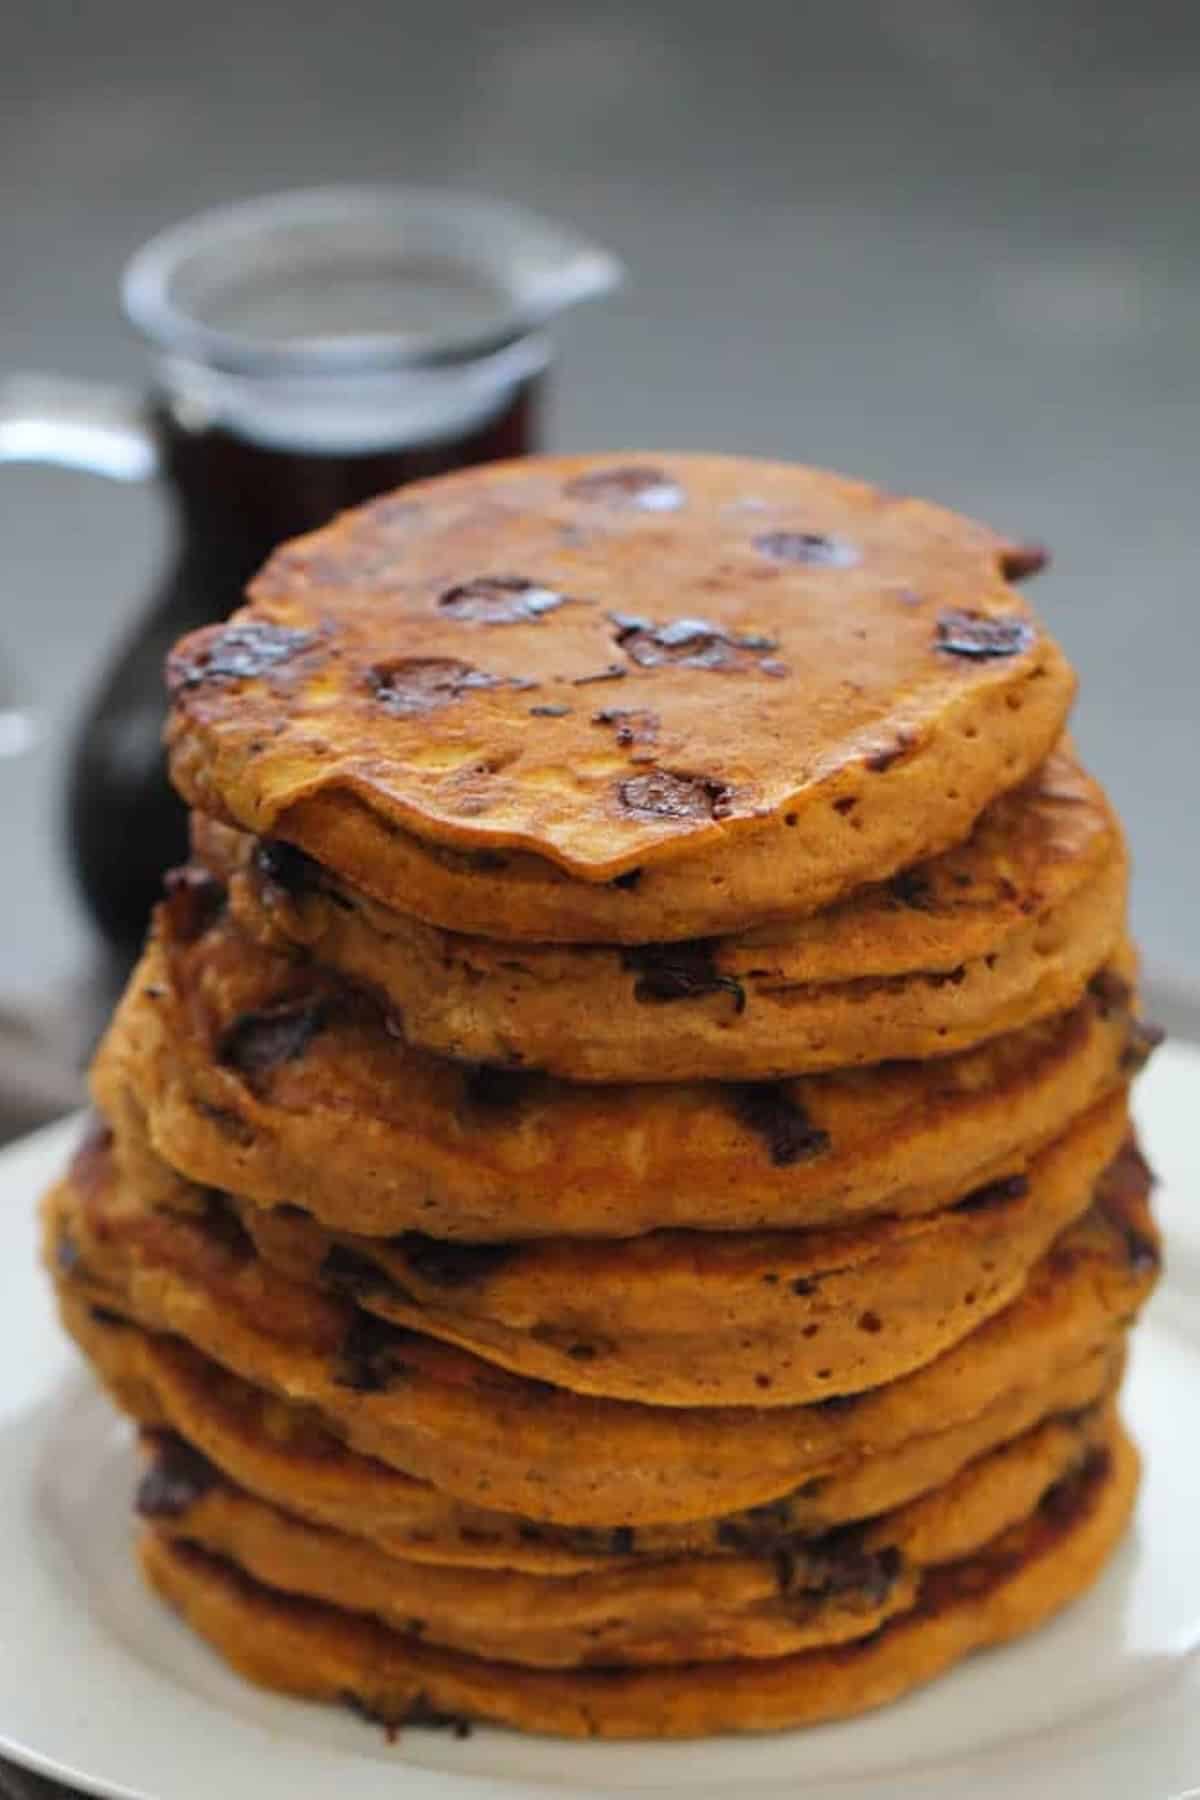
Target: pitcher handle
<point x="75" y="424"/>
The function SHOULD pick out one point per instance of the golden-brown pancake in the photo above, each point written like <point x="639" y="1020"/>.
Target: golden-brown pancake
<point x="984" y="939"/>
<point x="286" y="1454"/>
<point x="525" y="702"/>
<point x="519" y="1445"/>
<point x="263" y="1076"/>
<point x="1010" y="1586"/>
<point x="651" y="1609"/>
<point x="695" y="1318"/>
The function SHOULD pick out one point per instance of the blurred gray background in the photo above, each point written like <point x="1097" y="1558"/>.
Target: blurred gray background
<point x="946" y="244"/>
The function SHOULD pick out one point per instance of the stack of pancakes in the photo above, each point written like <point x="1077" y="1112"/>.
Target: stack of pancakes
<point x="615" y="1206"/>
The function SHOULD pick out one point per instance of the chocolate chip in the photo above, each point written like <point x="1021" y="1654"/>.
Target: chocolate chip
<point x="621" y="1540"/>
<point x="683" y="971"/>
<point x="628" y="880"/>
<point x="415" y="685"/>
<point x="613" y="672"/>
<point x="1111" y="990"/>
<point x="771" y="1111"/>
<point x="667" y="795"/>
<point x="355" y="1275"/>
<point x="420" y="1711"/>
<point x="649" y="490"/>
<point x="500" y="600"/>
<point x="804" y="1285"/>
<point x="370" y="1359"/>
<point x="632" y="726"/>
<point x="494" y="1089"/>
<point x="104" y="1315"/>
<point x="177" y="1478"/>
<point x="291" y="871"/>
<point x="1144" y="1039"/>
<point x="233" y="653"/>
<point x="912" y="889"/>
<point x="258" y="1042"/>
<point x="549" y="712"/>
<point x="193" y="902"/>
<point x="1022" y="560"/>
<point x="687" y="643"/>
<point x="994" y="1196"/>
<point x="451" y="1265"/>
<point x="808" y="547"/>
<point x="980" y="637"/>
<point x="881" y="760"/>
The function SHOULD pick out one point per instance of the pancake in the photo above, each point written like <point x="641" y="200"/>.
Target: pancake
<point x="651" y="1610"/>
<point x="263" y="1076"/>
<point x="519" y="1445"/>
<point x="984" y="939"/>
<point x="286" y="1455"/>
<point x="1018" y="1580"/>
<point x="694" y="1318"/>
<point x="523" y="701"/>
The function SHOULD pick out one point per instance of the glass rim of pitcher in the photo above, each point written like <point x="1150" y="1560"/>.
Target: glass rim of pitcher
<point x="533" y="267"/>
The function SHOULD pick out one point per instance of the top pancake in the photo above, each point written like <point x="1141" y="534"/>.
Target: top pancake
<point x="736" y="689"/>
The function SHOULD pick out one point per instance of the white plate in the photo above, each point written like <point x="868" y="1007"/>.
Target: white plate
<point x="101" y="1687"/>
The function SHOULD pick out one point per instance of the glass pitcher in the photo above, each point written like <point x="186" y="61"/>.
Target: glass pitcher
<point x="310" y="350"/>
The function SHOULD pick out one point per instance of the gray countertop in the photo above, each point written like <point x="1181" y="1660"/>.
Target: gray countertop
<point x="949" y="245"/>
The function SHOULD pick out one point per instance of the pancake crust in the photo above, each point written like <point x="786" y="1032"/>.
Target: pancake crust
<point x="1022" y="1578"/>
<point x="651" y="1610"/>
<point x="519" y="1445"/>
<point x="489" y="699"/>
<point x="691" y="1318"/>
<point x="262" y="1076"/>
<point x="985" y="938"/>
<point x="286" y="1455"/>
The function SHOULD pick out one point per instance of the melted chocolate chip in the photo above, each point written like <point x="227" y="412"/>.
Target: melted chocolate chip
<point x="683" y="971"/>
<point x="667" y="795"/>
<point x="994" y="1196"/>
<point x="813" y="548"/>
<point x="1111" y="990"/>
<point x="629" y="880"/>
<point x="258" y="1042"/>
<point x="1144" y="1039"/>
<point x="177" y="1478"/>
<point x="632" y="726"/>
<point x="493" y="1089"/>
<point x="415" y="685"/>
<point x="104" y="1315"/>
<point x="687" y="644"/>
<point x="649" y="490"/>
<point x="446" y="1265"/>
<point x="804" y="1285"/>
<point x="881" y="760"/>
<point x="193" y="901"/>
<point x="235" y="653"/>
<point x="549" y="712"/>
<point x="355" y="1275"/>
<point x="291" y="871"/>
<point x="500" y="600"/>
<point x="370" y="1359"/>
<point x="771" y="1111"/>
<point x="621" y="1540"/>
<point x="912" y="889"/>
<point x="1022" y="560"/>
<point x="981" y="638"/>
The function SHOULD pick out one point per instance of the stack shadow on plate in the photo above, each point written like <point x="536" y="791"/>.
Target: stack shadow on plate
<point x="614" y="1205"/>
